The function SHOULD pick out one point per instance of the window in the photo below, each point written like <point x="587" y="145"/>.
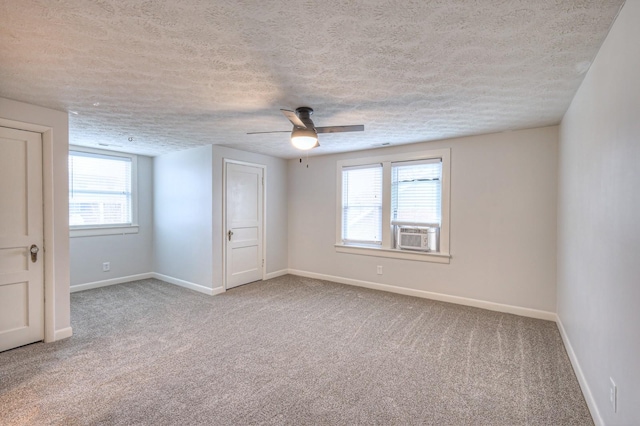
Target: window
<point x="362" y="204"/>
<point x="384" y="198"/>
<point x="102" y="192"/>
<point x="416" y="192"/>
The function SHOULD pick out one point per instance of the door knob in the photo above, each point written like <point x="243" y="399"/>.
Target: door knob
<point x="230" y="233"/>
<point x="34" y="252"/>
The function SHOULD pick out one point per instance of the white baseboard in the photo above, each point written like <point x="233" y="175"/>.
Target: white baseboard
<point x="63" y="333"/>
<point x="161" y="277"/>
<point x="492" y="306"/>
<point x="189" y="285"/>
<point x="104" y="283"/>
<point x="217" y="290"/>
<point x="276" y="274"/>
<point x="582" y="380"/>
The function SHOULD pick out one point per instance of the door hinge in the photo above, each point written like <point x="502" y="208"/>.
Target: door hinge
<point x="262" y="180"/>
<point x="263" y="263"/>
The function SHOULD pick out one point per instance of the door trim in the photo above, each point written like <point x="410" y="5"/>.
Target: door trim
<point x="224" y="215"/>
<point x="50" y="334"/>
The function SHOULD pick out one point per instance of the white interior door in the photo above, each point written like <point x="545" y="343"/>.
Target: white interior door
<point x="244" y="205"/>
<point x="21" y="232"/>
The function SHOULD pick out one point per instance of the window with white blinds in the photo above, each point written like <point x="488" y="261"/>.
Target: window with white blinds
<point x="416" y="192"/>
<point x="382" y="199"/>
<point x="362" y="204"/>
<point x="100" y="189"/>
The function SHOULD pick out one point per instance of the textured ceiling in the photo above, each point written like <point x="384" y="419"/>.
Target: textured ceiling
<point x="175" y="74"/>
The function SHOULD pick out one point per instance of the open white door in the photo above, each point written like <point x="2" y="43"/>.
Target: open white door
<point x="21" y="239"/>
<point x="244" y="206"/>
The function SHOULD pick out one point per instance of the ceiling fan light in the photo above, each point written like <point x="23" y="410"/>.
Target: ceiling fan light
<point x="304" y="139"/>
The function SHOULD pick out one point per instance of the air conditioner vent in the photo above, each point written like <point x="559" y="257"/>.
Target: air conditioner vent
<point x="417" y="238"/>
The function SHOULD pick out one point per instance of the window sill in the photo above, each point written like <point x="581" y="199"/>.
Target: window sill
<point x="394" y="253"/>
<point x="105" y="230"/>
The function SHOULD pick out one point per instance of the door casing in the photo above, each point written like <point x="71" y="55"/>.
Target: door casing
<point x="49" y="253"/>
<point x="24" y="279"/>
<point x="224" y="215"/>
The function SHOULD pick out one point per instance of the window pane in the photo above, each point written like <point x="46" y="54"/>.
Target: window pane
<point x="416" y="192"/>
<point x="362" y="204"/>
<point x="99" y="190"/>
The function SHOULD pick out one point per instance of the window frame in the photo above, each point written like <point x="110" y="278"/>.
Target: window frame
<point x="119" y="229"/>
<point x="386" y="249"/>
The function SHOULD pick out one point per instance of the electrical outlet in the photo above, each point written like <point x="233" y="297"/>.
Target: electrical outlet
<point x="613" y="395"/>
<point x="379" y="271"/>
<point x="106" y="266"/>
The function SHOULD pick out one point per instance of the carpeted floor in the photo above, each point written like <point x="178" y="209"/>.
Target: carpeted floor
<point x="290" y="350"/>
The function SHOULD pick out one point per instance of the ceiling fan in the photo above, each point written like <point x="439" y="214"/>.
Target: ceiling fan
<point x="304" y="135"/>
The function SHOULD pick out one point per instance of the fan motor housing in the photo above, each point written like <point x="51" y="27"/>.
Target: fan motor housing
<point x="304" y="112"/>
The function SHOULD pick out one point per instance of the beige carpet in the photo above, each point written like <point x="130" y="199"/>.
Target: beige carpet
<point x="289" y="351"/>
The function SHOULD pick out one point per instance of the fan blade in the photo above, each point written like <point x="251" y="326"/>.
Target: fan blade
<point x="275" y="131"/>
<point x="293" y="118"/>
<point x="339" y="129"/>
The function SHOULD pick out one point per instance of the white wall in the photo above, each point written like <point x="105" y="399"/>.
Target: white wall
<point x="276" y="214"/>
<point x="182" y="212"/>
<point x="129" y="254"/>
<point x="56" y="204"/>
<point x="189" y="233"/>
<point x="599" y="224"/>
<point x="503" y="222"/>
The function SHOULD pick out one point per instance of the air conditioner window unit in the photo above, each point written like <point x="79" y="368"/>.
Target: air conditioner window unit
<point x="417" y="238"/>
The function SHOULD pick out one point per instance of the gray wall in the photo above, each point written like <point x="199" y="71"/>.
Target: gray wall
<point x="129" y="254"/>
<point x="599" y="224"/>
<point x="503" y="222"/>
<point x="182" y="225"/>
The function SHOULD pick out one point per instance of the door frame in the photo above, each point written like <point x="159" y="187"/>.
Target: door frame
<point x="47" y="201"/>
<point x="227" y="161"/>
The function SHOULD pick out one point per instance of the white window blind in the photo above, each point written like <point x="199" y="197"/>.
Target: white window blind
<point x="99" y="190"/>
<point x="416" y="191"/>
<point x="362" y="204"/>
